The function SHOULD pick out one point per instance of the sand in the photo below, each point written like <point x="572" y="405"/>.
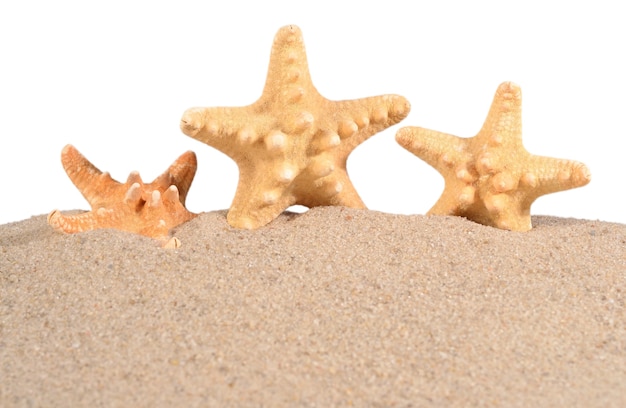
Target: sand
<point x="333" y="307"/>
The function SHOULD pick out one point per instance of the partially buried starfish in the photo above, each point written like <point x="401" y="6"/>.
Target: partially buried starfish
<point x="490" y="178"/>
<point x="147" y="209"/>
<point x="291" y="145"/>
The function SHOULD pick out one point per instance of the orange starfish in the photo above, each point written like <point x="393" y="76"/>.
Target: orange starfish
<point x="291" y="145"/>
<point x="146" y="209"/>
<point x="490" y="178"/>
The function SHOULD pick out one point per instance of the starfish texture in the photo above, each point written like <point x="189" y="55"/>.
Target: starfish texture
<point x="292" y="144"/>
<point x="146" y="209"/>
<point x="490" y="178"/>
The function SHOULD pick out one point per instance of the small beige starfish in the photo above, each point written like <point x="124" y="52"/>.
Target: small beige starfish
<point x="147" y="209"/>
<point x="490" y="178"/>
<point x="291" y="145"/>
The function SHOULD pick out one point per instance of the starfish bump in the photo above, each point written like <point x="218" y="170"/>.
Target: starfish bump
<point x="147" y="209"/>
<point x="490" y="178"/>
<point x="292" y="144"/>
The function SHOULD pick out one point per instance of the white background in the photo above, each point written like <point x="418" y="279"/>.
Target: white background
<point x="113" y="78"/>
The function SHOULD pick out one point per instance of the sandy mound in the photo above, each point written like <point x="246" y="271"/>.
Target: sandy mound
<point x="328" y="308"/>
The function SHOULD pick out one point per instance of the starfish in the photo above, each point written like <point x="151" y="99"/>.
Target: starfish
<point x="292" y="144"/>
<point x="147" y="209"/>
<point x="490" y="178"/>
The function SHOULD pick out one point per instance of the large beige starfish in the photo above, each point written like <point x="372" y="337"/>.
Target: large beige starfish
<point x="146" y="209"/>
<point x="490" y="178"/>
<point x="291" y="145"/>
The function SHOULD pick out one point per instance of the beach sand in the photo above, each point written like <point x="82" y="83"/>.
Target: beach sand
<point x="332" y="307"/>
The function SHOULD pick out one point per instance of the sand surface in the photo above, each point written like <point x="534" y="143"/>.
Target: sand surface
<point x="333" y="307"/>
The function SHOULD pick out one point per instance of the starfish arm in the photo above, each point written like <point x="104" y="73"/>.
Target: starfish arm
<point x="288" y="75"/>
<point x="545" y="175"/>
<point x="342" y="193"/>
<point x="357" y="120"/>
<point x="108" y="218"/>
<point x="179" y="174"/>
<point x="442" y="151"/>
<point x="505" y="211"/>
<point x="456" y="199"/>
<point x="92" y="183"/>
<point x="71" y="224"/>
<point x="87" y="221"/>
<point x="259" y="199"/>
<point x="229" y="130"/>
<point x="503" y="125"/>
<point x="332" y="189"/>
<point x="153" y="218"/>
